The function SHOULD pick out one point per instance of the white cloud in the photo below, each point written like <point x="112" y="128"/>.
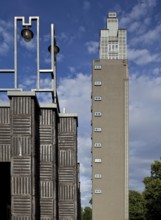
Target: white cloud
<point x="6" y="36"/>
<point x="47" y="60"/>
<point x="47" y="37"/>
<point x="92" y="47"/>
<point x="138" y="12"/>
<point x="84" y="150"/>
<point x="134" y="26"/>
<point x="151" y="36"/>
<point x="60" y="57"/>
<point x="30" y="46"/>
<point x="86" y="5"/>
<point x="82" y="29"/>
<point x="74" y="95"/>
<point x="28" y="82"/>
<point x="145" y="126"/>
<point x="3" y="97"/>
<point x="157" y="71"/>
<point x="142" y="56"/>
<point x="136" y="20"/>
<point x="72" y="69"/>
<point x="65" y="38"/>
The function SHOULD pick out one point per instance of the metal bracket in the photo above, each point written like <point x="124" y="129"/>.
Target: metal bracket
<point x="51" y="71"/>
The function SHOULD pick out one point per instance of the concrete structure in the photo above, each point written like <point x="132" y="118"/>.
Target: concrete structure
<point x="110" y="125"/>
<point x="38" y="153"/>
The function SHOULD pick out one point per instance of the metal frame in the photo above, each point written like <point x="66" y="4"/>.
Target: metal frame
<point x="52" y="71"/>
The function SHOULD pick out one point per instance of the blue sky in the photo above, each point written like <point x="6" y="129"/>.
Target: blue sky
<point x="77" y="24"/>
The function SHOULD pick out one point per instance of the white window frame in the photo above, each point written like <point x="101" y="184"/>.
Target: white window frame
<point x="97" y="114"/>
<point x="98" y="176"/>
<point x="97" y="98"/>
<point x="97" y="129"/>
<point x="98" y="83"/>
<point x="97" y="160"/>
<point x="98" y="191"/>
<point x="98" y="145"/>
<point x="97" y="67"/>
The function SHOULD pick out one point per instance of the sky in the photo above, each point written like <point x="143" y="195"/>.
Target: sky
<point x="77" y="24"/>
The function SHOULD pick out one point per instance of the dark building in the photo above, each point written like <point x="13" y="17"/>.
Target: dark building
<point x="38" y="160"/>
<point x="39" y="173"/>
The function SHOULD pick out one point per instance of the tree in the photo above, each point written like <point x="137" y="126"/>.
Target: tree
<point x="87" y="213"/>
<point x="136" y="205"/>
<point x="82" y="212"/>
<point x="152" y="193"/>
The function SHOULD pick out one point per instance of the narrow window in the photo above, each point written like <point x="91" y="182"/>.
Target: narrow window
<point x="97" y="83"/>
<point x="98" y="129"/>
<point x="97" y="144"/>
<point x="98" y="160"/>
<point x="98" y="176"/>
<point x="98" y="114"/>
<point x="97" y="67"/>
<point x="97" y="98"/>
<point x="98" y="191"/>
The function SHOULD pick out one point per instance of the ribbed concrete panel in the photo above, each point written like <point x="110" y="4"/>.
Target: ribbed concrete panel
<point x="21" y="165"/>
<point x="66" y="192"/>
<point x="67" y="162"/>
<point x="21" y="217"/>
<point x="46" y="218"/>
<point x="66" y="140"/>
<point x="66" y="174"/>
<point x="46" y="209"/>
<point x="67" y="218"/>
<point x="5" y="134"/>
<point x="46" y="117"/>
<point x="46" y="171"/>
<point x="46" y="188"/>
<point x="66" y="157"/>
<point x="5" y="152"/>
<point x="67" y="125"/>
<point x="46" y="152"/>
<point x="21" y="185"/>
<point x="46" y="135"/>
<point x="21" y="145"/>
<point x="66" y="208"/>
<point x="21" y="205"/>
<point x="21" y="105"/>
<point x="4" y="115"/>
<point x="21" y="125"/>
<point x="29" y="140"/>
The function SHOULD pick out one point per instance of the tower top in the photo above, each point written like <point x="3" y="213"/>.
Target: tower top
<point x="112" y="14"/>
<point x="112" y="39"/>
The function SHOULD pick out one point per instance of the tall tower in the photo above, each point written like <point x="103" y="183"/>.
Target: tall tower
<point x="110" y="125"/>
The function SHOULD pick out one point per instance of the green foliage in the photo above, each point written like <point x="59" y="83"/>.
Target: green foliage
<point x="152" y="193"/>
<point x="136" y="205"/>
<point x="82" y="211"/>
<point x="86" y="213"/>
<point x="90" y="201"/>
